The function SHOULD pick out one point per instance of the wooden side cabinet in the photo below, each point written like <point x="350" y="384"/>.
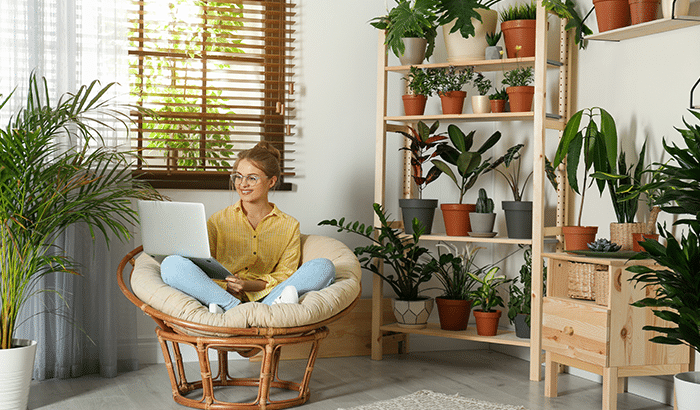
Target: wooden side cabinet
<point x="602" y="335"/>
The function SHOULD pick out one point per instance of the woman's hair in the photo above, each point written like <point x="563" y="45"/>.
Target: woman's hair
<point x="264" y="156"/>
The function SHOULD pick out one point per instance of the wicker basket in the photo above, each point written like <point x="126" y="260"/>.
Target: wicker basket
<point x="602" y="294"/>
<point x="582" y="280"/>
<point x="621" y="233"/>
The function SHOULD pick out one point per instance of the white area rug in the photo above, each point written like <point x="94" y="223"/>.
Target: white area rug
<point x="426" y="399"/>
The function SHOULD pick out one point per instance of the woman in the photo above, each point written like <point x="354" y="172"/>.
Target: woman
<point x="255" y="241"/>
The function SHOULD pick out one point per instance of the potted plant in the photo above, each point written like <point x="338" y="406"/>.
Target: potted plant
<point x="464" y="26"/>
<point x="493" y="51"/>
<point x="448" y="83"/>
<point x="520" y="92"/>
<point x="518" y="27"/>
<point x="642" y="11"/>
<point x="675" y="285"/>
<point x="567" y="10"/>
<point x="486" y="296"/>
<point x="595" y="147"/>
<point x="411" y="28"/>
<point x="420" y="88"/>
<point x="469" y="166"/>
<point x="423" y="140"/>
<point x="498" y="100"/>
<point x="45" y="189"/>
<point x="483" y="217"/>
<point x="480" y="103"/>
<point x="518" y="213"/>
<point x="403" y="255"/>
<point x="452" y="270"/>
<point x="520" y="299"/>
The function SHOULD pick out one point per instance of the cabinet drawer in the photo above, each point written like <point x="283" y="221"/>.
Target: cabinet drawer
<point x="577" y="330"/>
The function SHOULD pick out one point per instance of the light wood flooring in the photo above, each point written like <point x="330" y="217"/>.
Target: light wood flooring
<point x="347" y="382"/>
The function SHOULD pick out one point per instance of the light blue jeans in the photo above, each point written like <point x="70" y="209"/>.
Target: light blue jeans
<point x="183" y="275"/>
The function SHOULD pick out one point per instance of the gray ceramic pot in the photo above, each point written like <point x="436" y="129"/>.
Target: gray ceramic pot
<point x="518" y="219"/>
<point x="493" y="53"/>
<point x="482" y="223"/>
<point x="423" y="209"/>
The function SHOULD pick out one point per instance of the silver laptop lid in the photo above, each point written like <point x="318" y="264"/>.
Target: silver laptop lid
<point x="174" y="228"/>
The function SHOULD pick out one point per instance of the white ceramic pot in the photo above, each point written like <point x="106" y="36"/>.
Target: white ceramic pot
<point x="481" y="104"/>
<point x="681" y="9"/>
<point x="473" y="48"/>
<point x="687" y="386"/>
<point x="414" y="52"/>
<point x="412" y="313"/>
<point x="16" y="373"/>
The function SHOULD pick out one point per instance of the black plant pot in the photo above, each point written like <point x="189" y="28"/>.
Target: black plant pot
<point x="522" y="329"/>
<point x="518" y="219"/>
<point x="423" y="209"/>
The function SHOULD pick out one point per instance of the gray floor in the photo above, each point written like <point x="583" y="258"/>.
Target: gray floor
<point x="347" y="382"/>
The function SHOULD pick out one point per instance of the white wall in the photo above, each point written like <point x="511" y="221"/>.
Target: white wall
<point x="644" y="83"/>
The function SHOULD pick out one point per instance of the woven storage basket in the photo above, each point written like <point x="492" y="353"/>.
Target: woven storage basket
<point x="621" y="233"/>
<point x="602" y="296"/>
<point x="582" y="280"/>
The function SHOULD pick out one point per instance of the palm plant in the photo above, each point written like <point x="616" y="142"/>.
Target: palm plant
<point x="44" y="189"/>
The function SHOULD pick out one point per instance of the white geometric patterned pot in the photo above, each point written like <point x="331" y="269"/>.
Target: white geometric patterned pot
<point x="412" y="313"/>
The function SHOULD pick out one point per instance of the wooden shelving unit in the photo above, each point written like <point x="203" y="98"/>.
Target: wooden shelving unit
<point x="538" y="120"/>
<point x="646" y="29"/>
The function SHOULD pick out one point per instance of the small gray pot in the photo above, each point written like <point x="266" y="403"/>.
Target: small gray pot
<point x="493" y="53"/>
<point x="518" y="218"/>
<point x="423" y="209"/>
<point x="522" y="329"/>
<point x="414" y="50"/>
<point x="482" y="223"/>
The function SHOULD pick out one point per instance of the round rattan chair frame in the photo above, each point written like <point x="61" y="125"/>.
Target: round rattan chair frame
<point x="245" y="341"/>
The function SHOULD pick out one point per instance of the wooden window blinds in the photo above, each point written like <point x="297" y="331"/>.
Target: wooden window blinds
<point x="211" y="78"/>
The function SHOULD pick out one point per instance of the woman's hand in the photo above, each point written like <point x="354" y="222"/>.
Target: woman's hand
<point x="236" y="285"/>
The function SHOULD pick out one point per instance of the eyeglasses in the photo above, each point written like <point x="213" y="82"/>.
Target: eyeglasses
<point x="251" y="179"/>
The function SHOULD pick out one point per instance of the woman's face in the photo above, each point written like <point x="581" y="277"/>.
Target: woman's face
<point x="251" y="183"/>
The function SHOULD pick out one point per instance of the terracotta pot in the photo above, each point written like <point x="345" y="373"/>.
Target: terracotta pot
<point x="640" y="237"/>
<point x="520" y="98"/>
<point x="519" y="33"/>
<point x="452" y="102"/>
<point x="642" y="11"/>
<point x="577" y="238"/>
<point x="414" y="104"/>
<point x="454" y="314"/>
<point x="487" y="322"/>
<point x="498" y="105"/>
<point x="611" y="14"/>
<point x="456" y="218"/>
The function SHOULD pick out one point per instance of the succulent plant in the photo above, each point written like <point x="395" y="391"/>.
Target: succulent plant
<point x="603" y="245"/>
<point x="484" y="205"/>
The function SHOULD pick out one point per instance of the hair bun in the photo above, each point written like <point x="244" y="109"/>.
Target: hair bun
<point x="264" y="145"/>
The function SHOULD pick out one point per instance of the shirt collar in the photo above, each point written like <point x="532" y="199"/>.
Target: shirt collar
<point x="275" y="211"/>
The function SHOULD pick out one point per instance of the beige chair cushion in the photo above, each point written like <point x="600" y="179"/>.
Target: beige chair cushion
<point x="313" y="307"/>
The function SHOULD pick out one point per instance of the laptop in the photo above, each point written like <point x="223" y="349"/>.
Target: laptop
<point x="178" y="228"/>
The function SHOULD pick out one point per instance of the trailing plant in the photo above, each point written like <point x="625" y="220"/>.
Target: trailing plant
<point x="493" y="38"/>
<point x="593" y="146"/>
<point x="452" y="270"/>
<point x="461" y="12"/>
<point x="419" y="82"/>
<point x="568" y="10"/>
<point x="445" y="79"/>
<point x="620" y="182"/>
<point x="469" y="164"/>
<point x="482" y="84"/>
<point x="486" y="295"/>
<point x="520" y="301"/>
<point x="484" y="204"/>
<point x="521" y="11"/>
<point x="518" y="77"/>
<point x="423" y="140"/>
<point x="45" y="188"/>
<point x="390" y="247"/>
<point x="499" y="94"/>
<point x="410" y="18"/>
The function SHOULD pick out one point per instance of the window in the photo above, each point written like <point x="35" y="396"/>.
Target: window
<point x="217" y="76"/>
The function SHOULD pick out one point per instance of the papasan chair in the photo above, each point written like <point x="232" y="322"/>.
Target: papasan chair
<point x="249" y="329"/>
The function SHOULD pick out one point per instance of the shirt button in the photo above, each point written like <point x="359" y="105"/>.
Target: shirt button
<point x="255" y="253"/>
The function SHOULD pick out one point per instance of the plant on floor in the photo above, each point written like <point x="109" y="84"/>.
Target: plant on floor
<point x="391" y="247"/>
<point x="423" y="140"/>
<point x="591" y="145"/>
<point x="452" y="270"/>
<point x="46" y="188"/>
<point x="676" y="284"/>
<point x="469" y="164"/>
<point x="482" y="84"/>
<point x="410" y="18"/>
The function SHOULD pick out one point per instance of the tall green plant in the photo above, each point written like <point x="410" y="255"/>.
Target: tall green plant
<point x="469" y="164"/>
<point x="44" y="189"/>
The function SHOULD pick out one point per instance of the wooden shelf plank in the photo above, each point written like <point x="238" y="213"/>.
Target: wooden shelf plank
<point x="496" y="239"/>
<point x="479" y="65"/>
<point x="504" y="337"/>
<point x="498" y="116"/>
<point x="646" y="29"/>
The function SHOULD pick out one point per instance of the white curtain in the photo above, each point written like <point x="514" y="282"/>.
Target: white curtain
<point x="71" y="43"/>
